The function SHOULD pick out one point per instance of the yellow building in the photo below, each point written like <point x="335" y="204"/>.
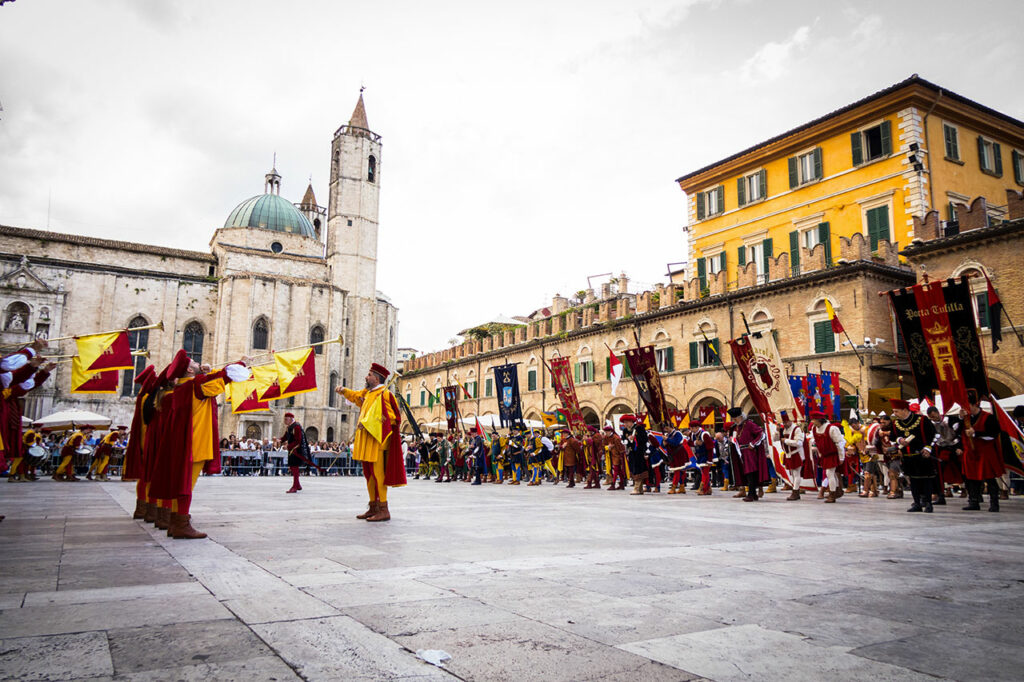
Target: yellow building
<point x="866" y="168"/>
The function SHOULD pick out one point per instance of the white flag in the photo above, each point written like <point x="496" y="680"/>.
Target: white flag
<point x="615" y="365"/>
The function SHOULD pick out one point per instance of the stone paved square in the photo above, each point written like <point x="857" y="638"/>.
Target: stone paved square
<point x="514" y="583"/>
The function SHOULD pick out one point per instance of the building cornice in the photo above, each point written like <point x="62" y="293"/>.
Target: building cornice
<point x="79" y="266"/>
<point x="79" y="240"/>
<point x="914" y="91"/>
<point x="900" y="277"/>
<point x="1004" y="230"/>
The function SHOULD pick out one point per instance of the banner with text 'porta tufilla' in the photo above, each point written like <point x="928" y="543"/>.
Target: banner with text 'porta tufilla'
<point x="510" y="405"/>
<point x="561" y="378"/>
<point x="451" y="407"/>
<point x="644" y="368"/>
<point x="940" y="334"/>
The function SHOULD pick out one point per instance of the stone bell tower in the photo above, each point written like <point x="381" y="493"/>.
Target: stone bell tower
<point x="352" y="238"/>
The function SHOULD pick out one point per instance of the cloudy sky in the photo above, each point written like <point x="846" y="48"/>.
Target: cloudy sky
<point x="526" y="146"/>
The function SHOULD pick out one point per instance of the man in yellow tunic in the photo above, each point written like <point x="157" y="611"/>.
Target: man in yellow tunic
<point x="377" y="443"/>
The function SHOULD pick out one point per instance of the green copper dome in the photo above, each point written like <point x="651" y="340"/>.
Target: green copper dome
<point x="270" y="212"/>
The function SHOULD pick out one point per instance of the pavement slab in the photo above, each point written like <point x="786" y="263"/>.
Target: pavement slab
<point x="540" y="583"/>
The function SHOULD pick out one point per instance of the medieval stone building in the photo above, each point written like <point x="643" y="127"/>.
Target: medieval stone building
<point x="277" y="275"/>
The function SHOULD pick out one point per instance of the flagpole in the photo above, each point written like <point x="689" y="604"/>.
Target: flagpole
<point x="339" y="339"/>
<point x="159" y="325"/>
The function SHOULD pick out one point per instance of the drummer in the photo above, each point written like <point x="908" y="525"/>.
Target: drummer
<point x="73" y="445"/>
<point x="101" y="457"/>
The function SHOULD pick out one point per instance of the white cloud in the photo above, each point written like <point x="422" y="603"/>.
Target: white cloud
<point x="772" y="60"/>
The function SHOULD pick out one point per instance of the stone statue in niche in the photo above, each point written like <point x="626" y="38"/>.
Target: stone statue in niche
<point x="16" y="322"/>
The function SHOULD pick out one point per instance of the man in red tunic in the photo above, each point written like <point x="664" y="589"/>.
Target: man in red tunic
<point x="292" y="439"/>
<point x="831" y="446"/>
<point x="797" y="455"/>
<point x="983" y="462"/>
<point x="751" y="441"/>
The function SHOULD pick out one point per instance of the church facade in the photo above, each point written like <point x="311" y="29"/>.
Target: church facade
<point x="277" y="275"/>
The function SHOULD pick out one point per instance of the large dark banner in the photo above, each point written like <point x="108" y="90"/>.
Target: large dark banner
<point x="451" y="407"/>
<point x="510" y="407"/>
<point x="941" y="337"/>
<point x="644" y="368"/>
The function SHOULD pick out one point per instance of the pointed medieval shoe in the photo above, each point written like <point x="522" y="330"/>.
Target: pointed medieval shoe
<point x="181" y="528"/>
<point x="382" y="513"/>
<point x="369" y="512"/>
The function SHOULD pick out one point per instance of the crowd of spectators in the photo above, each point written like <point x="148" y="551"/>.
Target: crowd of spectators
<point x="267" y="457"/>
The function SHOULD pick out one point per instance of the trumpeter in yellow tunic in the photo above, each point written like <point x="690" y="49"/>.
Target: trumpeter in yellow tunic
<point x="370" y="442"/>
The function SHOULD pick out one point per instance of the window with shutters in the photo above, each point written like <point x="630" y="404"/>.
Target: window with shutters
<point x="423" y="397"/>
<point x="951" y="138"/>
<point x="585" y="371"/>
<point x="531" y="380"/>
<point x="1017" y="157"/>
<point x="751" y="188"/>
<point x="871" y="143"/>
<point x="989" y="157"/>
<point x="715" y="264"/>
<point x="710" y="202"/>
<point x="824" y="337"/>
<point x="665" y="359"/>
<point x="805" y="168"/>
<point x="878" y="225"/>
<point x="488" y="388"/>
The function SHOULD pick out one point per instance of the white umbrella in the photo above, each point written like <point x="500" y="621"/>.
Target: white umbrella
<point x="66" y="420"/>
<point x="25" y="422"/>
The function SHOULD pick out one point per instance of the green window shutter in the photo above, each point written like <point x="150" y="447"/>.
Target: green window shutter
<point x="626" y="371"/>
<point x="878" y="225"/>
<point x="531" y="380"/>
<point x="702" y="272"/>
<point x="590" y="364"/>
<point x="693" y="354"/>
<point x="997" y="157"/>
<point x="983" y="321"/>
<point x="818" y="172"/>
<point x="794" y="174"/>
<point x="762" y="181"/>
<point x="721" y="198"/>
<point x="741" y="256"/>
<point x="670" y="359"/>
<point x="883" y="223"/>
<point x="886" y="138"/>
<point x="716" y="359"/>
<point x="576" y="372"/>
<point x="825" y="237"/>
<point x="952" y="148"/>
<point x="722" y="259"/>
<point x="608" y="368"/>
<point x="767" y="245"/>
<point x="423" y="398"/>
<point x="794" y="251"/>
<point x="700" y="205"/>
<point x="824" y="338"/>
<point x="741" y="191"/>
<point x="981" y="153"/>
<point x="857" y="148"/>
<point x="1018" y="161"/>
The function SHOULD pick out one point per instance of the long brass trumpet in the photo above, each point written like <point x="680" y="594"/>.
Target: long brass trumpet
<point x="68" y="358"/>
<point x="159" y="325"/>
<point x="340" y="339"/>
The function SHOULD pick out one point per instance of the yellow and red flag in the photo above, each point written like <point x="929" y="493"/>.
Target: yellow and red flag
<point x="104" y="351"/>
<point x="709" y="420"/>
<point x="296" y="371"/>
<point x="242" y="395"/>
<point x="92" y="382"/>
<point x="837" y="326"/>
<point x="267" y="386"/>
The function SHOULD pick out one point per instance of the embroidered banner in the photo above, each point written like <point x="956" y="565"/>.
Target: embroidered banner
<point x="644" y="368"/>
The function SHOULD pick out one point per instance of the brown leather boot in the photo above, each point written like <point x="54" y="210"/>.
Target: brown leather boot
<point x="140" y="510"/>
<point x="369" y="512"/>
<point x="163" y="518"/>
<point x="821" y="493"/>
<point x="382" y="513"/>
<point x="151" y="512"/>
<point x="181" y="528"/>
<point x="795" y="495"/>
<point x="832" y="496"/>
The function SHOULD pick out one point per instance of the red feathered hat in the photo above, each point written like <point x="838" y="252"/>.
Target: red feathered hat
<point x="379" y="369"/>
<point x="145" y="374"/>
<point x="628" y="418"/>
<point x="178" y="366"/>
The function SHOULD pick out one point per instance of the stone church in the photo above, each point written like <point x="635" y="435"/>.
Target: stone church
<point x="277" y="275"/>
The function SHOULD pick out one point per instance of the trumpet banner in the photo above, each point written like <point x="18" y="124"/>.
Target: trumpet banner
<point x="242" y="395"/>
<point x="100" y="352"/>
<point x="296" y="371"/>
<point x="92" y="382"/>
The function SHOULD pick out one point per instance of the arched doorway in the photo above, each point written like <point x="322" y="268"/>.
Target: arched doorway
<point x="591" y="418"/>
<point x="312" y="434"/>
<point x="330" y="434"/>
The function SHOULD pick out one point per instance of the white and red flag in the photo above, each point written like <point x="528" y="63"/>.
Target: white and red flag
<point x="615" y="370"/>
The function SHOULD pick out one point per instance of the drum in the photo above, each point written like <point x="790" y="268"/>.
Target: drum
<point x="36" y="455"/>
<point x="83" y="456"/>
